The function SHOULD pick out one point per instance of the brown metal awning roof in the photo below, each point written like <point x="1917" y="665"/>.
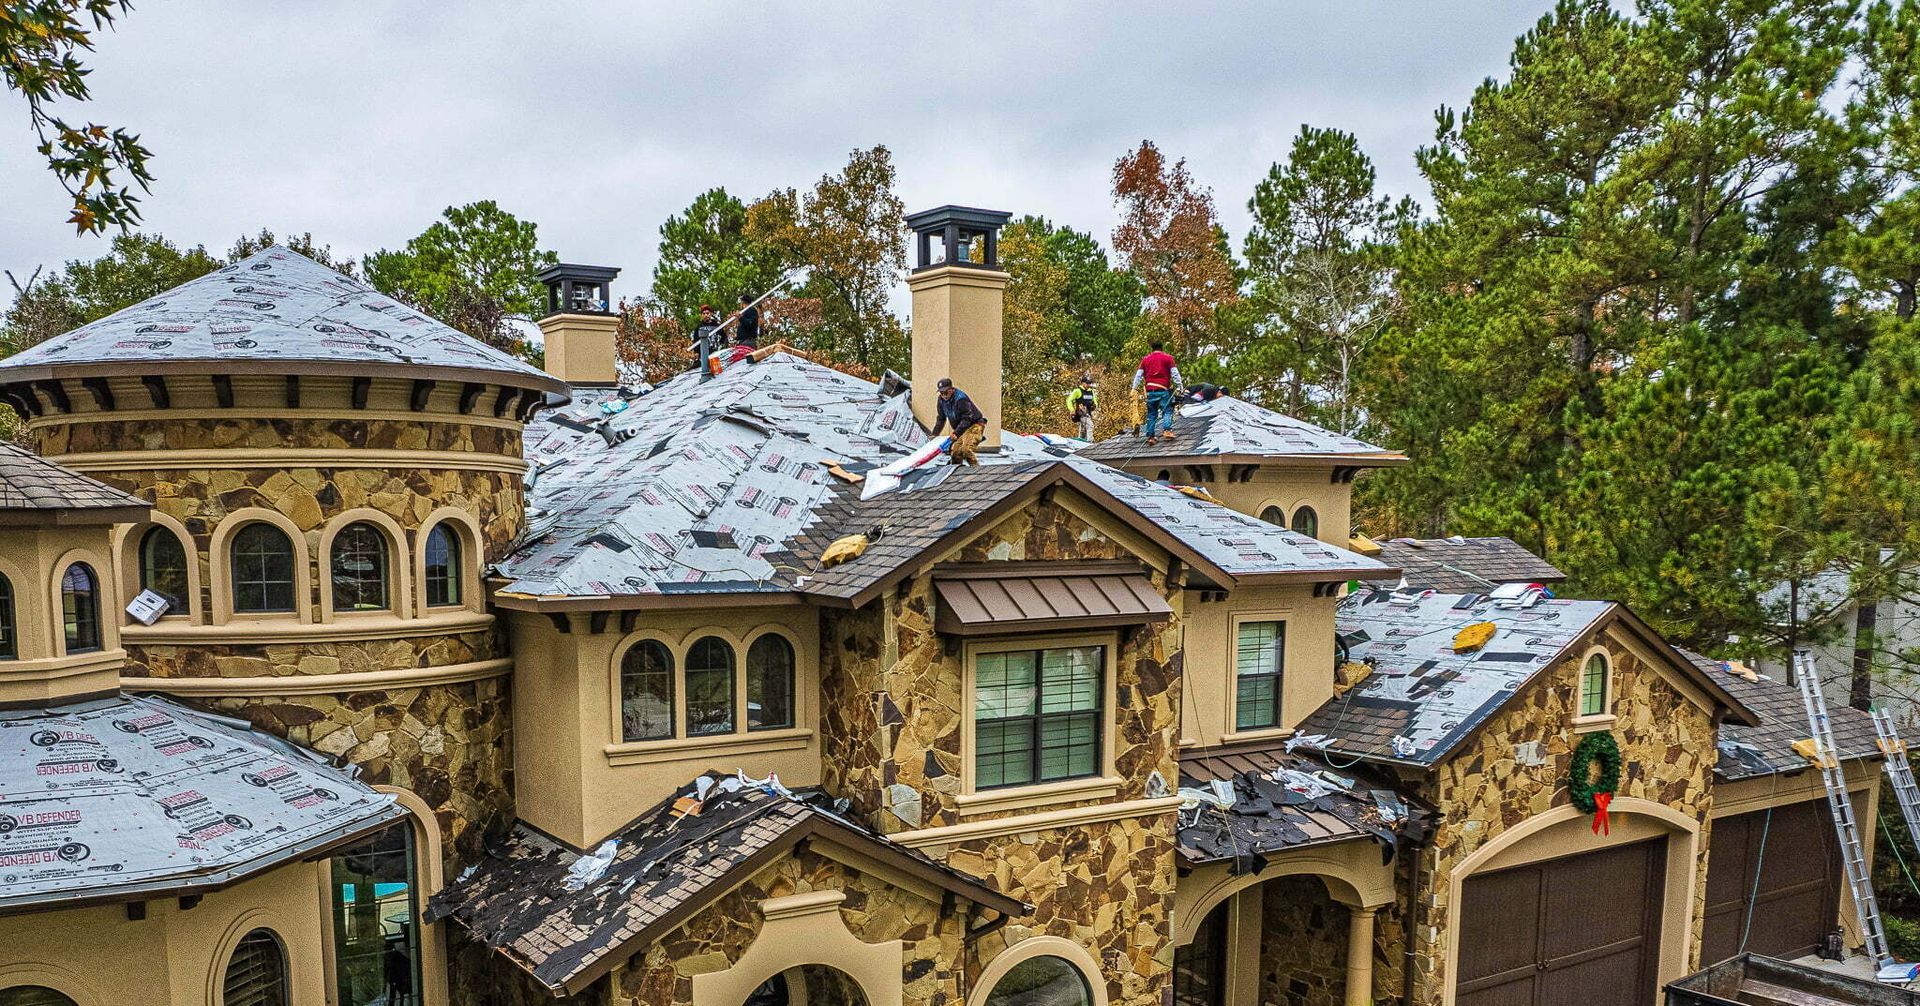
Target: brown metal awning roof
<point x="996" y="597"/>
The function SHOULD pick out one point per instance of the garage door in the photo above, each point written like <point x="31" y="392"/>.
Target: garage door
<point x="1794" y="906"/>
<point x="1585" y="929"/>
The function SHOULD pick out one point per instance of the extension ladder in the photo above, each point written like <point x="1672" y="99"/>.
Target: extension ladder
<point x="1840" y="803"/>
<point x="1899" y="772"/>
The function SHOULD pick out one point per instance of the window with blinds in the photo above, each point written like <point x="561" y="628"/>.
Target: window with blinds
<point x="1259" y="660"/>
<point x="257" y="972"/>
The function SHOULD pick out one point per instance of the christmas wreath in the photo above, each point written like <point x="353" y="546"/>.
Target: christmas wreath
<point x="1592" y="791"/>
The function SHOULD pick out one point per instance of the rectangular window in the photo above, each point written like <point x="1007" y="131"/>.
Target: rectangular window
<point x="1037" y="715"/>
<point x="1258" y="661"/>
<point x="376" y="908"/>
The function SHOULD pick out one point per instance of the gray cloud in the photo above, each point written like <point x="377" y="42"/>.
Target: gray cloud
<point x="360" y="121"/>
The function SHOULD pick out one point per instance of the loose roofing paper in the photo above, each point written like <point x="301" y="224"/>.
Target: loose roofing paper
<point x="1423" y="698"/>
<point x="709" y="480"/>
<point x="274" y="305"/>
<point x="130" y="794"/>
<point x="1229" y="426"/>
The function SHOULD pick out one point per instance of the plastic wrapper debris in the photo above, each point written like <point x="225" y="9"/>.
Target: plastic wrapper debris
<point x="588" y="869"/>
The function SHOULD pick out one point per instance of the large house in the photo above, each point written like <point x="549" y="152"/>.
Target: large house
<point x="345" y="660"/>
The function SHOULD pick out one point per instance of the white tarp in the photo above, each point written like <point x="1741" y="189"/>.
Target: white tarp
<point x="131" y="793"/>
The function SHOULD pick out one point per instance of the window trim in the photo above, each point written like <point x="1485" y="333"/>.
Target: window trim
<point x="1585" y="722"/>
<point x="465" y="529"/>
<point x="746" y="684"/>
<point x="1294" y="518"/>
<point x="400" y="585"/>
<point x="455" y="566"/>
<point x="128" y="542"/>
<point x="1230" y="730"/>
<point x="1041" y="946"/>
<point x="220" y="564"/>
<point x="678" y="642"/>
<point x="1103" y="780"/>
<point x="57" y="613"/>
<point x="675" y="715"/>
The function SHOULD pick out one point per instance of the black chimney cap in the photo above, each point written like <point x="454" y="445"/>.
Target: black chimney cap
<point x="578" y="289"/>
<point x="957" y="227"/>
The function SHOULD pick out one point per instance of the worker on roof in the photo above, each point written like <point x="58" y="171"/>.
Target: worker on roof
<point x="704" y="336"/>
<point x="1206" y="392"/>
<point x="957" y="409"/>
<point x="747" y="333"/>
<point x="1160" y="375"/>
<point x="1082" y="400"/>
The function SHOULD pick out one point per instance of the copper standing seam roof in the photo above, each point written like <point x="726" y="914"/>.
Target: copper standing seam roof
<point x="1035" y="597"/>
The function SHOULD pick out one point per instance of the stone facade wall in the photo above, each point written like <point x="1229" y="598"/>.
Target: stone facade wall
<point x="449" y="744"/>
<point x="1108" y="887"/>
<point x="200" y="497"/>
<point x="891" y="691"/>
<point x="892" y="714"/>
<point x="1667" y="757"/>
<point x="1303" y="944"/>
<point x="243" y="660"/>
<point x="874" y="911"/>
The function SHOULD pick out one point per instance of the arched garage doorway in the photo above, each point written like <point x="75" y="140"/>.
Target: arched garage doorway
<point x="1549" y="912"/>
<point x="808" y="985"/>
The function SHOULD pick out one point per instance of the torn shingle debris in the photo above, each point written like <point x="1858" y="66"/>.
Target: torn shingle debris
<point x="567" y="924"/>
<point x="1243" y="804"/>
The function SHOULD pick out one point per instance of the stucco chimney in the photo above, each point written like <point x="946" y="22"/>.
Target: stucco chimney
<point x="958" y="290"/>
<point x="579" y="325"/>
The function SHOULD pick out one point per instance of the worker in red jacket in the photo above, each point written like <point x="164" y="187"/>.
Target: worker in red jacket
<point x="1160" y="375"/>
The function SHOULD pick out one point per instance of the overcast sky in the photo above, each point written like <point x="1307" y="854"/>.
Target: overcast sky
<point x="359" y="121"/>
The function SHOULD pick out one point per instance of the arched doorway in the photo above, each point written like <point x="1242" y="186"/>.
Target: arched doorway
<point x="808" y="985"/>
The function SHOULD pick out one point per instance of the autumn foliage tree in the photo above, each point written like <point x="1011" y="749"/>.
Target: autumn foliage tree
<point x="1170" y="237"/>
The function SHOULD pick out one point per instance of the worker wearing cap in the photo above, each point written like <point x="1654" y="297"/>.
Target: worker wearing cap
<point x="1160" y="375"/>
<point x="957" y="409"/>
<point x="1082" y="401"/>
<point x="748" y="332"/>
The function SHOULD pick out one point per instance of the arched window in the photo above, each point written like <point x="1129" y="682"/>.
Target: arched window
<point x="770" y="683"/>
<point x="1274" y="515"/>
<point x="262" y="566"/>
<point x="359" y="567"/>
<point x="257" y="972"/>
<point x="646" y="692"/>
<point x="709" y="687"/>
<point x="1200" y="967"/>
<point x="1044" y="979"/>
<point x="443" y="566"/>
<point x="1306" y="522"/>
<point x="1594" y="684"/>
<point x="9" y="634"/>
<point x="80" y="607"/>
<point x="163" y="567"/>
<point x="33" y="995"/>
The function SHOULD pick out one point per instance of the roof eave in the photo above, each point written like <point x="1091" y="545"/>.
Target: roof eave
<point x="76" y="516"/>
<point x="565" y="603"/>
<point x="1737" y="711"/>
<point x="529" y="379"/>
<point x="1382" y="460"/>
<point x="1315" y="576"/>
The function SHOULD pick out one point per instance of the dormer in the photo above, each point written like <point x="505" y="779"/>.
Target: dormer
<point x="59" y="634"/>
<point x="1282" y="470"/>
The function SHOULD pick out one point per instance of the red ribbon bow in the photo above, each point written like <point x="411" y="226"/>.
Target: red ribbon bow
<point x="1600" y="825"/>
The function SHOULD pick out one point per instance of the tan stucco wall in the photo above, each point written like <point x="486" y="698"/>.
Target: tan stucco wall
<point x="175" y="955"/>
<point x="34" y="560"/>
<point x="579" y="347"/>
<point x="577" y="780"/>
<point x="957" y="322"/>
<point x="1209" y="642"/>
<point x="1286" y="487"/>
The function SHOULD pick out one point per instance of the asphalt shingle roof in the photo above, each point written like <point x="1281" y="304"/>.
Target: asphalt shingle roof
<point x="31" y="482"/>
<point x="665" y="866"/>
<point x="1747" y="752"/>
<point x="275" y="306"/>
<point x="1465" y="565"/>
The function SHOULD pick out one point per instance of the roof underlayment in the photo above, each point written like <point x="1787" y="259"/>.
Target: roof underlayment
<point x="1229" y="427"/>
<point x="112" y="798"/>
<point x="1423" y="698"/>
<point x="715" y="485"/>
<point x="275" y="306"/>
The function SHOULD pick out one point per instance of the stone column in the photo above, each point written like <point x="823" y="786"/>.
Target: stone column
<point x="1360" y="956"/>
